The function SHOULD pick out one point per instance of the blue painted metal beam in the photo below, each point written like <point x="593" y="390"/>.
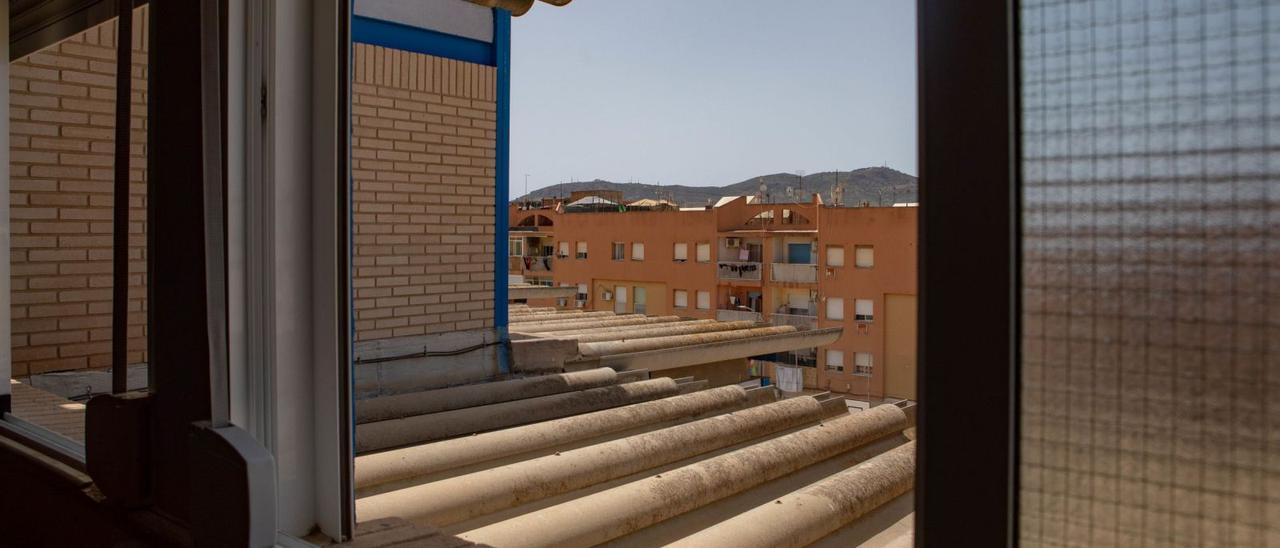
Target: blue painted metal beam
<point x="502" y="169"/>
<point x="366" y="30"/>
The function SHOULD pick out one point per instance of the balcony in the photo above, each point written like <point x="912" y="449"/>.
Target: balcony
<point x="805" y="357"/>
<point x="734" y="270"/>
<point x="794" y="273"/>
<point x="799" y="321"/>
<point x="529" y="264"/>
<point x="738" y="316"/>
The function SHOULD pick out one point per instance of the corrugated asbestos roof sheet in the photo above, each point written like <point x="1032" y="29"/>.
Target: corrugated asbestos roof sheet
<point x="600" y="456"/>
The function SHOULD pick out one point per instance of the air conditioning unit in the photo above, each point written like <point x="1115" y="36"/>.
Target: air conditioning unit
<point x="608" y="296"/>
<point x="733" y="242"/>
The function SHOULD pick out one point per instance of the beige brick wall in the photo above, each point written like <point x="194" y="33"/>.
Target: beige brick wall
<point x="423" y="139"/>
<point x="423" y="168"/>
<point x="62" y="105"/>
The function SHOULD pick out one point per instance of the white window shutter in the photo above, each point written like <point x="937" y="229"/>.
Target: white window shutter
<point x="835" y="308"/>
<point x="835" y="255"/>
<point x="864" y="256"/>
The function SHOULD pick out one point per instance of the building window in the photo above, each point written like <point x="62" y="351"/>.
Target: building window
<point x="704" y="300"/>
<point x="835" y="360"/>
<point x="582" y="295"/>
<point x="681" y="252"/>
<point x="681" y="299"/>
<point x="864" y="256"/>
<point x="582" y="250"/>
<point x="619" y="251"/>
<point x="863" y="310"/>
<point x="641" y="303"/>
<point x="862" y="363"/>
<point x="835" y="255"/>
<point x="515" y="247"/>
<point x="835" y="308"/>
<point x="564" y="250"/>
<point x="704" y="253"/>
<point x="637" y="251"/>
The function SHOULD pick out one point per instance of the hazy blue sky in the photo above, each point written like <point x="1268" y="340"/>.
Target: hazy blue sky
<point x="710" y="92"/>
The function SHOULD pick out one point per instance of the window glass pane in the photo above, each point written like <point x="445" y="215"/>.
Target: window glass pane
<point x="619" y="251"/>
<point x="60" y="227"/>
<point x="863" y="308"/>
<point x="1149" y="138"/>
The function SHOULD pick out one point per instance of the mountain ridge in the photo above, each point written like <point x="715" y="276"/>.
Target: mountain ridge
<point x="876" y="185"/>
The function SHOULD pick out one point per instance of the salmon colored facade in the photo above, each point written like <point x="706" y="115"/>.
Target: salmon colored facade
<point x="808" y="265"/>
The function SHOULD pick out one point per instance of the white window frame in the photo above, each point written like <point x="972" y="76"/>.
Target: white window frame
<point x="835" y="359"/>
<point x="864" y="310"/>
<point x="680" y="252"/>
<point x="703" y="250"/>
<point x="835" y="304"/>
<point x="637" y="251"/>
<point x="704" y="300"/>
<point x="515" y="247"/>
<point x="618" y="251"/>
<point x="581" y="250"/>
<point x="835" y="255"/>
<point x="288" y="330"/>
<point x="864" y="256"/>
<point x="680" y="298"/>
<point x="564" y="250"/>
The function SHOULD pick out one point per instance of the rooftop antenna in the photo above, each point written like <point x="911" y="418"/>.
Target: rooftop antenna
<point x="800" y="188"/>
<point x="764" y="190"/>
<point x="526" y="187"/>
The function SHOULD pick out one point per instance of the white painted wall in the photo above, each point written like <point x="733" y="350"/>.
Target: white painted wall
<point x="455" y="17"/>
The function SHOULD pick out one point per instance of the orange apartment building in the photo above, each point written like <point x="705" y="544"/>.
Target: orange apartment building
<point x="804" y="264"/>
